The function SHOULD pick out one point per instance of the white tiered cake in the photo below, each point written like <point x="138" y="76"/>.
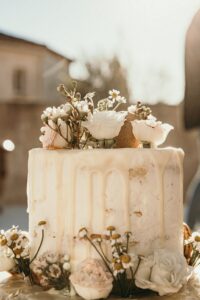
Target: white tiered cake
<point x="138" y="190"/>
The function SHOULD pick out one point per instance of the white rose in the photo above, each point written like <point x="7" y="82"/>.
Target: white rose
<point x="164" y="272"/>
<point x="151" y="131"/>
<point x="194" y="281"/>
<point x="6" y="262"/>
<point x="50" y="139"/>
<point x="92" y="280"/>
<point x="105" y="124"/>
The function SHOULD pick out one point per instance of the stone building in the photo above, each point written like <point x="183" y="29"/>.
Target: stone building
<point x="29" y="74"/>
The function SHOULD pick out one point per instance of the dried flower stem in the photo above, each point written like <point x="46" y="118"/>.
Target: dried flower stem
<point x="100" y="246"/>
<point x="127" y="242"/>
<point x="139" y="260"/>
<point x="105" y="262"/>
<point x="57" y="131"/>
<point x="36" y="254"/>
<point x="116" y="107"/>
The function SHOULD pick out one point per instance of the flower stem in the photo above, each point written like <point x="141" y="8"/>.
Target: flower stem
<point x="36" y="254"/>
<point x="107" y="266"/>
<point x="116" y="107"/>
<point x="136" y="268"/>
<point x="127" y="243"/>
<point x="100" y="246"/>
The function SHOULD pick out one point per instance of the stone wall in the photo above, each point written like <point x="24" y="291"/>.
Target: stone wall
<point x="21" y="123"/>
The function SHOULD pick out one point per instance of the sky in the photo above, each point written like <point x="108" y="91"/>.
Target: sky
<point x="147" y="35"/>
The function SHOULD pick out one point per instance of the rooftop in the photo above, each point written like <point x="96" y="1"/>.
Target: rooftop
<point x="8" y="37"/>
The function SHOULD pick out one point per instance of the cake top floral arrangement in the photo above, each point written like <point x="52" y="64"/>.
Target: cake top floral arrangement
<point x="78" y="124"/>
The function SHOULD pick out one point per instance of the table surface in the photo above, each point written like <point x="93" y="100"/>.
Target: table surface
<point x="14" y="287"/>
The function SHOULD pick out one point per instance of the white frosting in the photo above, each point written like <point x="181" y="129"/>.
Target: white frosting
<point x="133" y="189"/>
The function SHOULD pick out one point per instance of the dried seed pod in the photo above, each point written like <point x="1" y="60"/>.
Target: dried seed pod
<point x="187" y="233"/>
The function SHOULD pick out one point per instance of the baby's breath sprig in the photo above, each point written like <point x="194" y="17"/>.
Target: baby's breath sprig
<point x="80" y="110"/>
<point x="112" y="102"/>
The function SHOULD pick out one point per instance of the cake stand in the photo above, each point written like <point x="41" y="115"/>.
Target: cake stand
<point x="14" y="287"/>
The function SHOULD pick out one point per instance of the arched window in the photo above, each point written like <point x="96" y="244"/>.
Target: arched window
<point x="19" y="82"/>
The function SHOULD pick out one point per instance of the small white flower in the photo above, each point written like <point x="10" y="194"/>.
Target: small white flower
<point x="40" y="262"/>
<point x="127" y="265"/>
<point x="121" y="99"/>
<point x="37" y="271"/>
<point x="105" y="124"/>
<point x="10" y="233"/>
<point x="82" y="106"/>
<point x="110" y="103"/>
<point x="195" y="240"/>
<point x="54" y="271"/>
<point x="26" y="252"/>
<point x="150" y="130"/>
<point x="53" y="113"/>
<point x="47" y="112"/>
<point x="115" y="254"/>
<point x="114" y="94"/>
<point x="59" y="112"/>
<point x="44" y="281"/>
<point x="116" y="272"/>
<point x="67" y="108"/>
<point x="132" y="109"/>
<point x="82" y="233"/>
<point x="66" y="258"/>
<point x="51" y="257"/>
<point x="66" y="266"/>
